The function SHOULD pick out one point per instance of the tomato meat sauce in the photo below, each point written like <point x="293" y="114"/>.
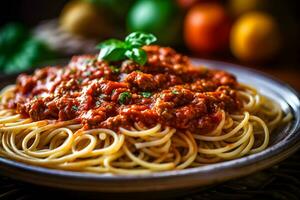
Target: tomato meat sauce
<point x="166" y="90"/>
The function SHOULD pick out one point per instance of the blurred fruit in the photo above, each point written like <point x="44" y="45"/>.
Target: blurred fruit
<point x="85" y="19"/>
<point x="11" y="37"/>
<point x="186" y="4"/>
<point x="162" y="18"/>
<point x="255" y="37"/>
<point x="206" y="28"/>
<point x="113" y="7"/>
<point x="239" y="7"/>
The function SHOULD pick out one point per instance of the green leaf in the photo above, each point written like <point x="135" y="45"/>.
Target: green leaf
<point x="137" y="55"/>
<point x="75" y="108"/>
<point x="175" y="92"/>
<point x="117" y="50"/>
<point x="146" y="94"/>
<point x="112" y="54"/>
<point x="124" y="96"/>
<point x="112" y="50"/>
<point x="139" y="39"/>
<point x="111" y="42"/>
<point x="114" y="69"/>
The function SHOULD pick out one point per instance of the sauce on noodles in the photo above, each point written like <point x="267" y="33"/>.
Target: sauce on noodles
<point x="166" y="90"/>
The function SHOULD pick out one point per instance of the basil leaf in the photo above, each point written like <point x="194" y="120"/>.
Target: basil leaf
<point x="137" y="55"/>
<point x="112" y="54"/>
<point x="139" y="39"/>
<point x="124" y="96"/>
<point x="112" y="42"/>
<point x="116" y="50"/>
<point x="112" y="50"/>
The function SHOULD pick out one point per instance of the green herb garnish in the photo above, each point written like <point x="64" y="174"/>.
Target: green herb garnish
<point x="146" y="94"/>
<point x="88" y="73"/>
<point x="98" y="103"/>
<point x="75" y="108"/>
<point x="124" y="96"/>
<point x="108" y="107"/>
<point x="102" y="96"/>
<point x="80" y="80"/>
<point x="114" y="69"/>
<point x="175" y="92"/>
<point x="117" y="50"/>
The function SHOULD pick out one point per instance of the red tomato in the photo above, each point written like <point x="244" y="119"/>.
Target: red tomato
<point x="206" y="28"/>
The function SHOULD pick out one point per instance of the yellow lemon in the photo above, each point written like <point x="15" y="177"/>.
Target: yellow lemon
<point x="84" y="19"/>
<point x="255" y="37"/>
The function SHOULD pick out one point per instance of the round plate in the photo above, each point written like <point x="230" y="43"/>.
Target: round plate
<point x="283" y="143"/>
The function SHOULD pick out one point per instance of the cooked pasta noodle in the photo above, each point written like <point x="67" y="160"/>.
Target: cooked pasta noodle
<point x="67" y="145"/>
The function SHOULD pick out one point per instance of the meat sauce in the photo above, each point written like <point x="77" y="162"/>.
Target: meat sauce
<point x="166" y="90"/>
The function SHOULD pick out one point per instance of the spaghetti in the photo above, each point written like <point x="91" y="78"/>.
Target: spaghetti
<point x="122" y="118"/>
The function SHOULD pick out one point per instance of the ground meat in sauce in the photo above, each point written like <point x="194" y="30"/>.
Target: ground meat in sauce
<point x="166" y="90"/>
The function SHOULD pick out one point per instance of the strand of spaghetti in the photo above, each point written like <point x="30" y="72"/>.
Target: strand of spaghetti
<point x="217" y="131"/>
<point x="110" y="168"/>
<point x="20" y="122"/>
<point x="65" y="146"/>
<point x="228" y="123"/>
<point x="150" y="131"/>
<point x="202" y="159"/>
<point x="24" y="126"/>
<point x="246" y="135"/>
<point x="164" y="148"/>
<point x="83" y="151"/>
<point x="156" y="142"/>
<point x="227" y="135"/>
<point x="114" y="147"/>
<point x="152" y="166"/>
<point x="78" y="165"/>
<point x="127" y="164"/>
<point x="266" y="135"/>
<point x="10" y="119"/>
<point x="191" y="154"/>
<point x="249" y="105"/>
<point x="232" y="154"/>
<point x="237" y="152"/>
<point x="247" y="149"/>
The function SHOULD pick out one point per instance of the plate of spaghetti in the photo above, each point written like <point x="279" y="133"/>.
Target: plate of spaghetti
<point x="141" y="117"/>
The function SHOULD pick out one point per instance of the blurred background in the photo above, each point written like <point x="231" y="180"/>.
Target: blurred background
<point x="262" y="34"/>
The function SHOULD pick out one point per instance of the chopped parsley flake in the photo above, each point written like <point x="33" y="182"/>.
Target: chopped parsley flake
<point x="109" y="107"/>
<point x="175" y="92"/>
<point x="124" y="96"/>
<point x="75" y="108"/>
<point x="88" y="73"/>
<point x="102" y="96"/>
<point x="146" y="94"/>
<point x="80" y="80"/>
<point x="98" y="103"/>
<point x="114" y="69"/>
